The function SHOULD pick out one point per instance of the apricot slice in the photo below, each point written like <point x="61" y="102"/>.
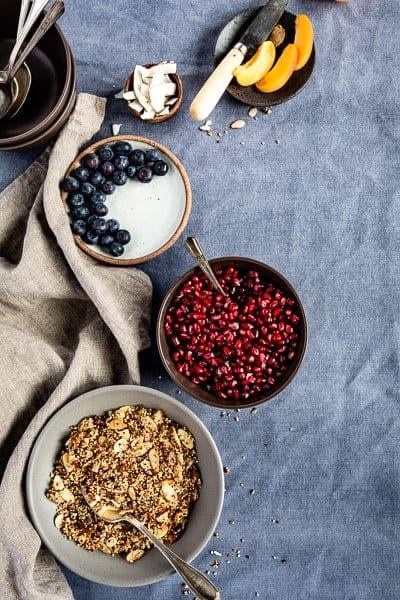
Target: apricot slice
<point x="280" y="72"/>
<point x="303" y="40"/>
<point x="255" y="68"/>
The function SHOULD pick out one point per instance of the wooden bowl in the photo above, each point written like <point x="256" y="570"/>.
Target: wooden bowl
<point x="174" y="108"/>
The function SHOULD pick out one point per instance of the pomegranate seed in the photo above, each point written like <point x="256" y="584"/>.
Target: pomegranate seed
<point x="236" y="346"/>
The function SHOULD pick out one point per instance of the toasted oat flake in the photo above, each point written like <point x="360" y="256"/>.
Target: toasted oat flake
<point x="134" y="456"/>
<point x="252" y="112"/>
<point x="238" y="124"/>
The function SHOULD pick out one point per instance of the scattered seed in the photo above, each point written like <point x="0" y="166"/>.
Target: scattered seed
<point x="267" y="110"/>
<point x="236" y="418"/>
<point x="231" y="521"/>
<point x="277" y="141"/>
<point x="252" y="492"/>
<point x="252" y="112"/>
<point x="243" y="457"/>
<point x="216" y="564"/>
<point x="242" y="540"/>
<point x="253" y="411"/>
<point x="217" y="534"/>
<point x="210" y="133"/>
<point x="116" y="128"/>
<point x="228" y="562"/>
<point x="227" y="470"/>
<point x="257" y="594"/>
<point x="222" y="413"/>
<point x="241" y="143"/>
<point x="241" y="484"/>
<point x="274" y="520"/>
<point x="238" y="124"/>
<point x="262" y="143"/>
<point x="206" y="126"/>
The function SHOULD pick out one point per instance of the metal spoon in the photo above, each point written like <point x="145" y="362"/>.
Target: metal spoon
<point x="7" y="98"/>
<point x="23" y="33"/>
<point x="192" y="244"/>
<point x="20" y="85"/>
<point x="198" y="583"/>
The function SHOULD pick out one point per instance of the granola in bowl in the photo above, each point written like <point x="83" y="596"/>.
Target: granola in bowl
<point x="140" y="459"/>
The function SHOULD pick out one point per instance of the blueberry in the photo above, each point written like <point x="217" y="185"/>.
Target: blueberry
<point x="75" y="200"/>
<point x="107" y="168"/>
<point x="160" y="167"/>
<point x="80" y="212"/>
<point x="87" y="188"/>
<point x="122" y="236"/>
<point x="91" y="160"/>
<point x="78" y="227"/>
<point x="70" y="184"/>
<point x="112" y="225"/>
<point x="120" y="177"/>
<point x="151" y="156"/>
<point x="82" y="173"/>
<point x="108" y="187"/>
<point x="106" y="239"/>
<point x="137" y="157"/>
<point x="99" y="225"/>
<point x="91" y="219"/>
<point x="100" y="210"/>
<point x="90" y="237"/>
<point x="97" y="197"/>
<point x="144" y="174"/>
<point x="106" y="152"/>
<point x="116" y="249"/>
<point x="121" y="162"/>
<point x="122" y="148"/>
<point x="97" y="178"/>
<point x="131" y="171"/>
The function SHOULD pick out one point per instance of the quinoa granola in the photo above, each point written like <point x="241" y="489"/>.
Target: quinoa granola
<point x="137" y="458"/>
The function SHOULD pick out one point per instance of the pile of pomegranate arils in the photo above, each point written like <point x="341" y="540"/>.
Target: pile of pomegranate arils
<point x="235" y="346"/>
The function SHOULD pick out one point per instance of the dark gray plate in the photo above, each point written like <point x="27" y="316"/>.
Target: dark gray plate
<point x="250" y="95"/>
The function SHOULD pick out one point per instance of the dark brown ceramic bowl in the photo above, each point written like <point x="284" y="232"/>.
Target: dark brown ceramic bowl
<point x="53" y="127"/>
<point x="268" y="274"/>
<point x="250" y="94"/>
<point x="174" y="108"/>
<point x="52" y="69"/>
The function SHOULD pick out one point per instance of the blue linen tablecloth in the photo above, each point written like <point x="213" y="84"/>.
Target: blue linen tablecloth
<point x="312" y="497"/>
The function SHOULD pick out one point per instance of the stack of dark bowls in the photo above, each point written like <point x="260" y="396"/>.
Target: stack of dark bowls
<point x="52" y="95"/>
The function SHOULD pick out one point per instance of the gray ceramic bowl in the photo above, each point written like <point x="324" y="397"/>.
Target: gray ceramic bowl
<point x="97" y="566"/>
<point x="268" y="274"/>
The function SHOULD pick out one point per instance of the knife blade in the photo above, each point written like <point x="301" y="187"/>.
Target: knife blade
<point x="256" y="33"/>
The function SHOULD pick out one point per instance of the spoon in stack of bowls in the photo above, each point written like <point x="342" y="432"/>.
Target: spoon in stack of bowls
<point x="37" y="74"/>
<point x="16" y="78"/>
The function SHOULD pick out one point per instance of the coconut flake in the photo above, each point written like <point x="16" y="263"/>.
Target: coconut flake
<point x="153" y="90"/>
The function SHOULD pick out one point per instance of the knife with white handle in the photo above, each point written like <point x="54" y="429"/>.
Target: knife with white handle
<point x="256" y="33"/>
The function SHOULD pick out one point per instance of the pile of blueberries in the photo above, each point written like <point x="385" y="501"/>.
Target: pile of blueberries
<point x="97" y="176"/>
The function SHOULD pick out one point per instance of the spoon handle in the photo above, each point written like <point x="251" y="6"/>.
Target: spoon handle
<point x="196" y="251"/>
<point x="36" y="8"/>
<point x="56" y="10"/>
<point x="198" y="583"/>
<point x="22" y="15"/>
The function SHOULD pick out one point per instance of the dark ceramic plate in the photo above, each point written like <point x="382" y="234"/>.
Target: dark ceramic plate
<point x="50" y="64"/>
<point x="250" y="95"/>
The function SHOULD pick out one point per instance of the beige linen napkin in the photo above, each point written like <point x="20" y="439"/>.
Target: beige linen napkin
<point x="67" y="324"/>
